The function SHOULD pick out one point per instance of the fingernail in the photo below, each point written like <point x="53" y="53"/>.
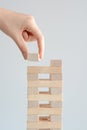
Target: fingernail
<point x="39" y="59"/>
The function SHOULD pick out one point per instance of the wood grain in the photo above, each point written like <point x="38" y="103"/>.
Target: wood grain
<point x="45" y="83"/>
<point x="51" y="111"/>
<point x="43" y="69"/>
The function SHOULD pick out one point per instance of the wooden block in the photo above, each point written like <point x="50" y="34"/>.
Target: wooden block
<point x="55" y="118"/>
<point x="33" y="57"/>
<point x="33" y="104"/>
<point x="45" y="83"/>
<point x="56" y="104"/>
<point x="57" y="90"/>
<point x="57" y="63"/>
<point x="45" y="69"/>
<point x="32" y="77"/>
<point x="44" y="125"/>
<point x="32" y="129"/>
<point x="39" y="111"/>
<point x="32" y="90"/>
<point x="43" y="129"/>
<point x="32" y="118"/>
<point x="58" y="76"/>
<point x="48" y="129"/>
<point x="57" y="129"/>
<point x="44" y="97"/>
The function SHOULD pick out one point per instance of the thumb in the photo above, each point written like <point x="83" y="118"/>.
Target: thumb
<point x="25" y="35"/>
<point x="21" y="43"/>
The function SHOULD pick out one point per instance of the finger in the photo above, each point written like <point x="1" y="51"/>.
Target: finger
<point x="40" y="40"/>
<point x="25" y="35"/>
<point x="28" y="36"/>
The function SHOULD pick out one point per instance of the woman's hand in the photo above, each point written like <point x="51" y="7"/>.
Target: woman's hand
<point x="21" y="28"/>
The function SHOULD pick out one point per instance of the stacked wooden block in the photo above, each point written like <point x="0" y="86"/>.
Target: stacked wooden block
<point x="45" y="97"/>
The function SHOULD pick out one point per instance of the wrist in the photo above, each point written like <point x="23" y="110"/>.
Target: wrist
<point x="1" y="17"/>
<point x="4" y="15"/>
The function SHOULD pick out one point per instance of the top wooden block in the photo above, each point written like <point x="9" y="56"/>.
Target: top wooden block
<point x="56" y="63"/>
<point x="33" y="57"/>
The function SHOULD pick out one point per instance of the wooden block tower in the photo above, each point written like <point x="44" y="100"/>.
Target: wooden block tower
<point x="45" y="97"/>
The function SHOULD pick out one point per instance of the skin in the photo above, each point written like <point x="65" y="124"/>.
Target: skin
<point x="21" y="28"/>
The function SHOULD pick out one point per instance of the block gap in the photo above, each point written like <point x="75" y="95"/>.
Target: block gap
<point x="44" y="90"/>
<point x="43" y="76"/>
<point x="44" y="118"/>
<point x="44" y="104"/>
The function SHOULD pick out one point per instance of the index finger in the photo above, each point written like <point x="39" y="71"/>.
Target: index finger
<point x="40" y="40"/>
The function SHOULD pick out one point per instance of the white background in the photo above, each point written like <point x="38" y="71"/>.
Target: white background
<point x="64" y="25"/>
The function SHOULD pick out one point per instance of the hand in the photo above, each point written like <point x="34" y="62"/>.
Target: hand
<point x="21" y="28"/>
